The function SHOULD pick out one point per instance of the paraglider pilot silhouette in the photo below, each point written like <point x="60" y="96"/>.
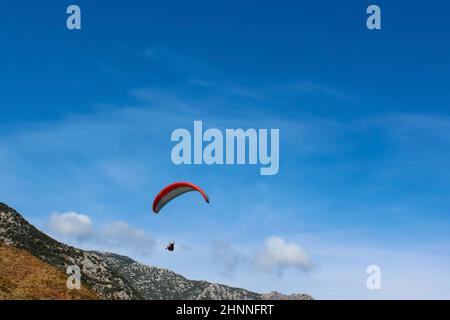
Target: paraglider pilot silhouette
<point x="171" y="246"/>
<point x="171" y="192"/>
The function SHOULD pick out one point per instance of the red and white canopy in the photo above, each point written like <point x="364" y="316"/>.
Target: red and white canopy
<point x="174" y="190"/>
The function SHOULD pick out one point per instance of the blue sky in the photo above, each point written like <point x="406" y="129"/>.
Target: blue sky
<point x="364" y="136"/>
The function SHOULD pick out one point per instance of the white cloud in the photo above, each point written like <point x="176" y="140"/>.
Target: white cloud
<point x="71" y="224"/>
<point x="277" y="255"/>
<point x="115" y="236"/>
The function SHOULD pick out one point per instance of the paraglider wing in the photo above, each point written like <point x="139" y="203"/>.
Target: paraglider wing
<point x="174" y="190"/>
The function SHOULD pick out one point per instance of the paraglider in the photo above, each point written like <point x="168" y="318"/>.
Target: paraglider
<point x="171" y="192"/>
<point x="174" y="190"/>
<point x="171" y="246"/>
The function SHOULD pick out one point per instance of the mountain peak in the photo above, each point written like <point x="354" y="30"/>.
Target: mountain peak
<point x="4" y="207"/>
<point x="13" y="226"/>
<point x="9" y="214"/>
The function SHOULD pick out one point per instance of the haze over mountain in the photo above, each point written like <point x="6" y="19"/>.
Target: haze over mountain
<point x="104" y="275"/>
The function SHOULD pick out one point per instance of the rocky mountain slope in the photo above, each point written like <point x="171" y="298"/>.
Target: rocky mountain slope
<point x="15" y="231"/>
<point x="158" y="283"/>
<point x="113" y="276"/>
<point x="26" y="277"/>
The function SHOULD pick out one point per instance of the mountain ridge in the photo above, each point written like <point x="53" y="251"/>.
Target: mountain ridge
<point x="113" y="276"/>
